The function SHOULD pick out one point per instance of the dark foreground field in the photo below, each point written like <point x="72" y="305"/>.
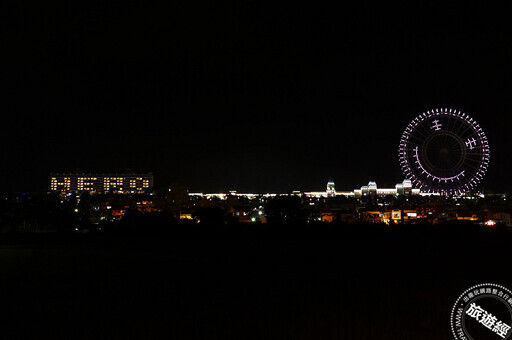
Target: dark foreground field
<point x="278" y="282"/>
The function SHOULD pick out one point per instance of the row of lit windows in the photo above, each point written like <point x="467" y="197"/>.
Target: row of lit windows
<point x="88" y="184"/>
<point x="137" y="190"/>
<point x="54" y="180"/>
<point x="114" y="179"/>
<point x="92" y="187"/>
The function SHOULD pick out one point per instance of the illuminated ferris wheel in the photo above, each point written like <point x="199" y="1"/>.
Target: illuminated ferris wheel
<point x="444" y="151"/>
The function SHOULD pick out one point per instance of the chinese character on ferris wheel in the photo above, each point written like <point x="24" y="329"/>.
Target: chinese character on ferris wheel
<point x="436" y="125"/>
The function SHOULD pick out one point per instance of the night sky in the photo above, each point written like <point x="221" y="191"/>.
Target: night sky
<point x="246" y="95"/>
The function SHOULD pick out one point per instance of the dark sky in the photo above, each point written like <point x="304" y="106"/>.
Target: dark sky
<point x="243" y="95"/>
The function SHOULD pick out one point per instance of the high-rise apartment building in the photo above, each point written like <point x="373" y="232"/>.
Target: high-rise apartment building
<point x="127" y="183"/>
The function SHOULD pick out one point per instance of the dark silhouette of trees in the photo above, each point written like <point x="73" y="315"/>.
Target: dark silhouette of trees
<point x="210" y="215"/>
<point x="285" y="209"/>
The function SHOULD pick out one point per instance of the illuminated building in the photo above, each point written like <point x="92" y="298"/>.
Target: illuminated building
<point x="372" y="188"/>
<point x="404" y="188"/>
<point x="331" y="191"/>
<point x="224" y="196"/>
<point x="129" y="183"/>
<point x="407" y="186"/>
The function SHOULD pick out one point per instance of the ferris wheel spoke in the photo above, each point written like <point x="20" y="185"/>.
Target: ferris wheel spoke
<point x="473" y="165"/>
<point x="425" y="128"/>
<point x="467" y="128"/>
<point x="475" y="154"/>
<point x="465" y="136"/>
<point x="437" y="163"/>
<point x="473" y="157"/>
<point x="454" y="122"/>
<point x="473" y="162"/>
<point x="462" y="125"/>
<point x="421" y="131"/>
<point x="414" y="144"/>
<point x="418" y="143"/>
<point x="470" y="169"/>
